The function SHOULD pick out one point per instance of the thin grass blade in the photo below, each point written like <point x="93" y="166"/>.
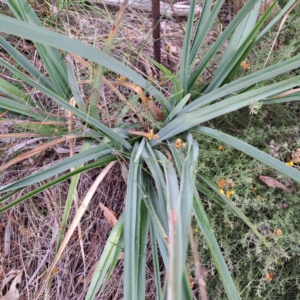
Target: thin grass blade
<point x="177" y="91"/>
<point x="273" y="22"/>
<point x="79" y="214"/>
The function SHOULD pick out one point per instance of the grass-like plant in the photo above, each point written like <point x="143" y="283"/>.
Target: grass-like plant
<point x="164" y="182"/>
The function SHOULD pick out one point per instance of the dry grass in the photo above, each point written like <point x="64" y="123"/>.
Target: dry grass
<point x="30" y="230"/>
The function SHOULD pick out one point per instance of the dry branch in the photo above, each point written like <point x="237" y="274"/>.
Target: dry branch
<point x="178" y="9"/>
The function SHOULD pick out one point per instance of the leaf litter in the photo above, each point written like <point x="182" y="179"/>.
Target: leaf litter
<point x="273" y="183"/>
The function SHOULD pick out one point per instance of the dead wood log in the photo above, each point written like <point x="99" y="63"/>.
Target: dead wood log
<point x="179" y="9"/>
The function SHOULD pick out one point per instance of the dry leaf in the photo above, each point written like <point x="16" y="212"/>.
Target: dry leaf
<point x="12" y="293"/>
<point x="124" y="172"/>
<point x="171" y="49"/>
<point x="53" y="9"/>
<point x="221" y="183"/>
<point x="269" y="277"/>
<point x="178" y="143"/>
<point x="273" y="183"/>
<point x="109" y="215"/>
<point x="230" y="183"/>
<point x="277" y="232"/>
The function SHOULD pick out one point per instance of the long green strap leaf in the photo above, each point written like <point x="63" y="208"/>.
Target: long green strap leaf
<point x="187" y="167"/>
<point x="241" y="33"/>
<point x="111" y="134"/>
<point x="207" y="19"/>
<point x="150" y="199"/>
<point x="233" y="207"/>
<point x="207" y="231"/>
<point x="245" y="43"/>
<point x="71" y="193"/>
<point x="68" y="163"/>
<point x="131" y="229"/>
<point x="176" y="264"/>
<point x="109" y="258"/>
<point x="100" y="162"/>
<point x="188" y="120"/>
<point x="244" y="82"/>
<point x="252" y="151"/>
<point x="75" y="88"/>
<point x="44" y="36"/>
<point x="158" y="230"/>
<point x="26" y="64"/>
<point x="185" y="54"/>
<point x="160" y="202"/>
<point x="26" y="110"/>
<point x="155" y="263"/>
<point x="50" y="56"/>
<point x="219" y="42"/>
<point x="142" y="250"/>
